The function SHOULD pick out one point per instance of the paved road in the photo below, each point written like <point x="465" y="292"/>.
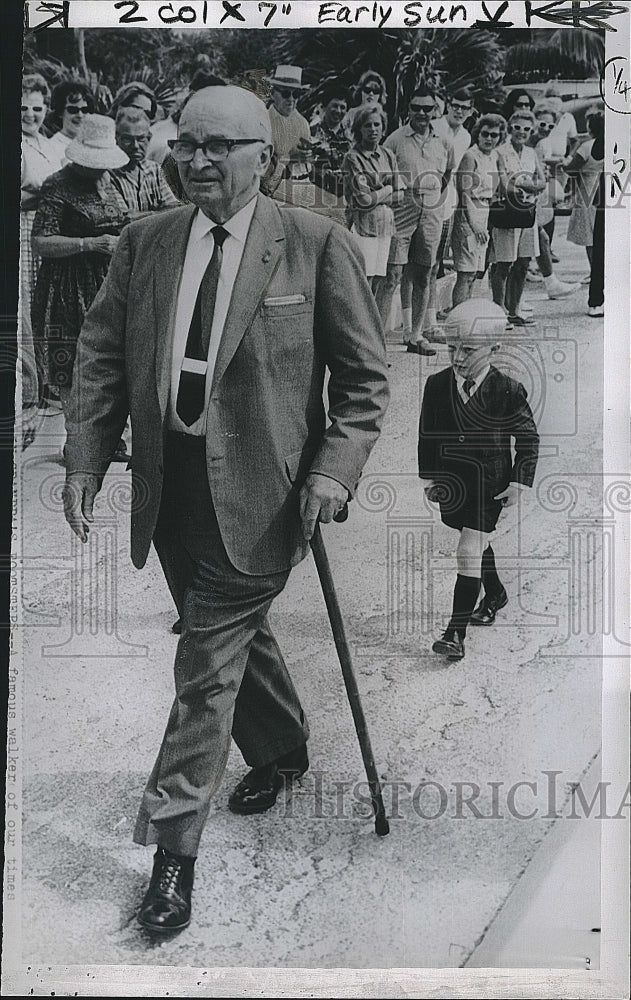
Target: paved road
<point x="310" y="884"/>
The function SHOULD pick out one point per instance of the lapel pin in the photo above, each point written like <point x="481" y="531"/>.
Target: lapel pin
<point x="266" y="257"/>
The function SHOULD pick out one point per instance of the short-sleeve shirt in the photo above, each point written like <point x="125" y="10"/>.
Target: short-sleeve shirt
<point x="423" y="161"/>
<point x="460" y="140"/>
<point x="144" y="189"/>
<point x="560" y="135"/>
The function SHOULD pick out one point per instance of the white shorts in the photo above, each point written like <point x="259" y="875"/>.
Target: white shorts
<point x="375" y="250"/>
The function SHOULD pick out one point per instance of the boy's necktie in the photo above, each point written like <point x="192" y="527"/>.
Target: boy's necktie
<point x="468" y="385"/>
<point x="192" y="387"/>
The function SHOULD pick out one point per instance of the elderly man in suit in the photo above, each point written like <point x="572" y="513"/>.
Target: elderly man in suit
<point x="213" y="330"/>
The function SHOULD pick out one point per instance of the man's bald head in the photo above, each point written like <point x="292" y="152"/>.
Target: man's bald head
<point x="242" y="110"/>
<point x="223" y="181"/>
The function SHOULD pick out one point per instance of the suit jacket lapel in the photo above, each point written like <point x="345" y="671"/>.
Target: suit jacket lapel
<point x="167" y="271"/>
<point x="262" y="252"/>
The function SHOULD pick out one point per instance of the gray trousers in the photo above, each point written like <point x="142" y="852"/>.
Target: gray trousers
<point x="230" y="677"/>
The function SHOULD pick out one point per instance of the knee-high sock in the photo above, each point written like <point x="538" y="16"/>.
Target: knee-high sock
<point x="466" y="593"/>
<point x="490" y="580"/>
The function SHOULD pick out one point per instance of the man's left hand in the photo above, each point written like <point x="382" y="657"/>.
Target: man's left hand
<point x="320" y="499"/>
<point x="511" y="494"/>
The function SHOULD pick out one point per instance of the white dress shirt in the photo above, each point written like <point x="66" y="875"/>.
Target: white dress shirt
<point x="199" y="250"/>
<point x="460" y="381"/>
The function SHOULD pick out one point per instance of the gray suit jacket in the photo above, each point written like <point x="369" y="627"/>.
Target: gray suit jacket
<point x="300" y="304"/>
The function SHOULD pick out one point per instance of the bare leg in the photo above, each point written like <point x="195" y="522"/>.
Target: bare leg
<point x="463" y="287"/>
<point x="420" y="296"/>
<point x="515" y="285"/>
<point x="499" y="275"/>
<point x="385" y="290"/>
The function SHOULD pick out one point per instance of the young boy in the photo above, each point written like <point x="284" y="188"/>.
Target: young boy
<point x="470" y="413"/>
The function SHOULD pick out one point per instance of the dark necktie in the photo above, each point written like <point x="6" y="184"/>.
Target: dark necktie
<point x="468" y="385"/>
<point x="192" y="387"/>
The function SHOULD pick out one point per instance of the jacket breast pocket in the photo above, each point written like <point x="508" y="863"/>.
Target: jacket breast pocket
<point x="281" y="307"/>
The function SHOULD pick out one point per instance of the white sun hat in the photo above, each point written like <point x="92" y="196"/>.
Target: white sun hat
<point x="95" y="145"/>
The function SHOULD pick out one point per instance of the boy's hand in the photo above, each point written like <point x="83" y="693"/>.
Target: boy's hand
<point x="511" y="494"/>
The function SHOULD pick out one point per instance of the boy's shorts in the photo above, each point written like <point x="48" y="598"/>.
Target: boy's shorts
<point x="480" y="517"/>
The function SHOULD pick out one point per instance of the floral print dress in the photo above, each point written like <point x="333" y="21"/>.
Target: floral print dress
<point x="70" y="205"/>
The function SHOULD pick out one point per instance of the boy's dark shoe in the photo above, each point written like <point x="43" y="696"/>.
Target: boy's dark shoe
<point x="488" y="607"/>
<point x="259" y="789"/>
<point x="451" y="646"/>
<point x="166" y="907"/>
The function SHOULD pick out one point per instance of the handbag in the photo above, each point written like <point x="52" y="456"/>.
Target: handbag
<point x="505" y="214"/>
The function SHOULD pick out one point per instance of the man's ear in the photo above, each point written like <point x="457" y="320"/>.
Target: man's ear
<point x="265" y="157"/>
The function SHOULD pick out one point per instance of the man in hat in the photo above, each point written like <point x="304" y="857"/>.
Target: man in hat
<point x="289" y="127"/>
<point x="214" y="329"/>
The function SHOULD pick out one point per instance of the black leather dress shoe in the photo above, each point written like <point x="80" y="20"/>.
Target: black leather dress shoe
<point x="166" y="907"/>
<point x="488" y="607"/>
<point x="259" y="789"/>
<point x="450" y="645"/>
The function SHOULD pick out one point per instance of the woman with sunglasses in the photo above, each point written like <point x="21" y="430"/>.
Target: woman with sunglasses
<point x="518" y="100"/>
<point x="521" y="180"/>
<point x="370" y="89"/>
<point x="70" y="102"/>
<point x="39" y="160"/>
<point x="477" y="179"/>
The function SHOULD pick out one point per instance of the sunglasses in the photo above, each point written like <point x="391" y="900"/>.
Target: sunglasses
<point x="287" y="92"/>
<point x="455" y="106"/>
<point x="371" y="88"/>
<point x="523" y="104"/>
<point x="37" y="108"/>
<point x="546" y="125"/>
<point x="488" y="135"/>
<point x="77" y="109"/>
<point x="425" y="109"/>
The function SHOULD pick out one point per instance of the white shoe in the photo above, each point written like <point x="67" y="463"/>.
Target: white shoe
<point x="558" y="289"/>
<point x="596" y="311"/>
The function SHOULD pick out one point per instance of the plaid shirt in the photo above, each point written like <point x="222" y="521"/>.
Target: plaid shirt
<point x="143" y="189"/>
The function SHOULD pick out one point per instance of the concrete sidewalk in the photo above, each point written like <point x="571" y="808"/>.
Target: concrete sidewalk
<point x="310" y="885"/>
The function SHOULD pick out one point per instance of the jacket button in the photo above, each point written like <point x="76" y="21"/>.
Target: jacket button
<point x="461" y="439"/>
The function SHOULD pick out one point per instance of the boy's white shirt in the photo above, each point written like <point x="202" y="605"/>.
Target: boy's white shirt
<point x="460" y="381"/>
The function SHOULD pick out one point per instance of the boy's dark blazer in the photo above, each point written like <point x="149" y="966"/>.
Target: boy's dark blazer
<point x="471" y="443"/>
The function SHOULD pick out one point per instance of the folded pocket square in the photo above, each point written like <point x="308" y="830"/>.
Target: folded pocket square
<point x="284" y="300"/>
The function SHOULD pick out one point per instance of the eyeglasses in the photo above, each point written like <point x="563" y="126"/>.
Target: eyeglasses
<point x="216" y="148"/>
<point x="546" y="125"/>
<point x="456" y="106"/>
<point x="525" y="103"/>
<point x="521" y="128"/>
<point x="77" y="109"/>
<point x="37" y="108"/>
<point x="488" y="135"/>
<point x="425" y="109"/>
<point x="371" y="88"/>
<point x="140" y="140"/>
<point x="287" y="92"/>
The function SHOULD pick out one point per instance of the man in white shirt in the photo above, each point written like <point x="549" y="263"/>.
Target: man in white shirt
<point x="458" y="108"/>
<point x="214" y="329"/>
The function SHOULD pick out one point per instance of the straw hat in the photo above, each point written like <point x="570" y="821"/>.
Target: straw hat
<point x="95" y="146"/>
<point x="287" y="76"/>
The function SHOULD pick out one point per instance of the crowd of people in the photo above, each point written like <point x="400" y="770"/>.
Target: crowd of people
<point x="448" y="188"/>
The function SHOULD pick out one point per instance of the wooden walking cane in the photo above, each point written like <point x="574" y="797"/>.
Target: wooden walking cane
<point x="382" y="826"/>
